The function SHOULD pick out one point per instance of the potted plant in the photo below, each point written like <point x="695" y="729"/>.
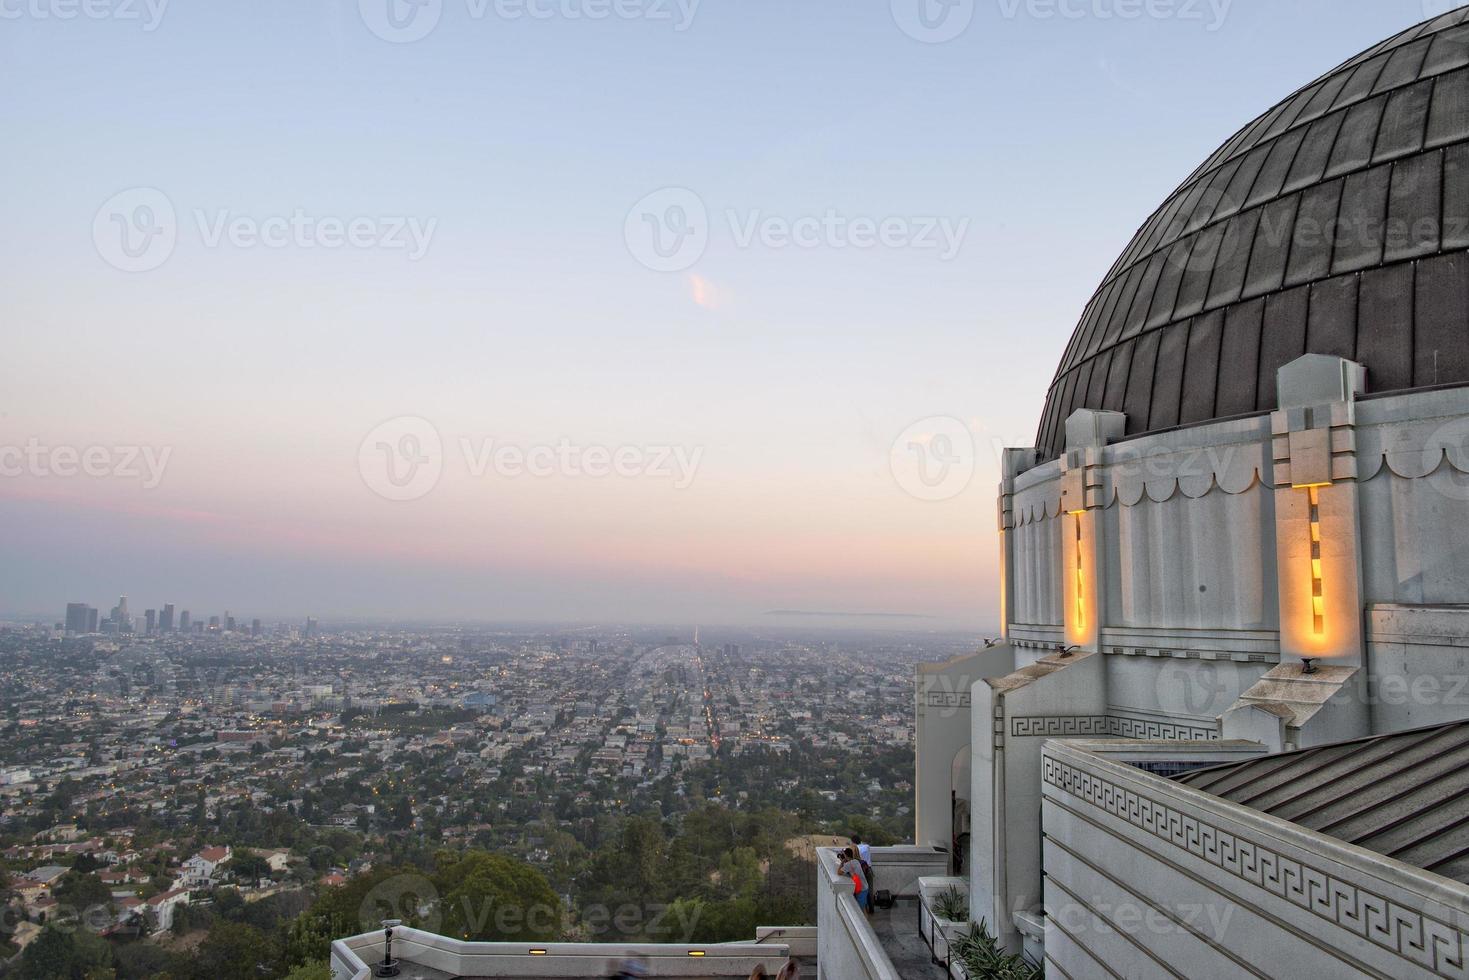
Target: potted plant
<point x="977" y="956"/>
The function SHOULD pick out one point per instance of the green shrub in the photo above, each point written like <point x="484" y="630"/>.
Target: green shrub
<point x="982" y="958"/>
<point x="952" y="905"/>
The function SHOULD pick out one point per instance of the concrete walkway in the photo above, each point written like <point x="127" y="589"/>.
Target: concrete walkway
<point x="897" y="930"/>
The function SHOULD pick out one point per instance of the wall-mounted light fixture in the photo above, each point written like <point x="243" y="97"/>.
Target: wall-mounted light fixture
<point x="1318" y="594"/>
<point x="1077" y="573"/>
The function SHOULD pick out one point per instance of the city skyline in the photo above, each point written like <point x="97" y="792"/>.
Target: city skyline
<point x="80" y="617"/>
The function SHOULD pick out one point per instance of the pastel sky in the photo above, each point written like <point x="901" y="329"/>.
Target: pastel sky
<point x="498" y="286"/>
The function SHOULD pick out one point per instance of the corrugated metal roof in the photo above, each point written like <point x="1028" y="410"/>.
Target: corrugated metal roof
<point x="1404" y="795"/>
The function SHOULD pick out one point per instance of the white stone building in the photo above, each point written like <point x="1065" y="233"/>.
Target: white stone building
<point x="1243" y="536"/>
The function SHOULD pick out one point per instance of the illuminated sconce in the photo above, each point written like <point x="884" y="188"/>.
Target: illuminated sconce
<point x="1077" y="574"/>
<point x="1318" y="597"/>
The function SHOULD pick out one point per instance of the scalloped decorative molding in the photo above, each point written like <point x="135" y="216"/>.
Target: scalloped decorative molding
<point x="1408" y="462"/>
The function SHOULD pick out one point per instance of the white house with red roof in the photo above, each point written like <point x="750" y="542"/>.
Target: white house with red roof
<point x="199" y="870"/>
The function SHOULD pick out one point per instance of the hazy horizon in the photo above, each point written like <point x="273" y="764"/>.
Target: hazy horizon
<point x="785" y="625"/>
<point x="695" y="312"/>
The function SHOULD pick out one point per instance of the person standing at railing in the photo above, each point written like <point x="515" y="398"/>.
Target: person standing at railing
<point x="852" y="868"/>
<point x="864" y="854"/>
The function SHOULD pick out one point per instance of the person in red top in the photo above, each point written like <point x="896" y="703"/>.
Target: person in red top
<point x="852" y="868"/>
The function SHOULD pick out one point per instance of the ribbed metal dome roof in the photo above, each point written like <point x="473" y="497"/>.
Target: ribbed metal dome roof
<point x="1336" y="223"/>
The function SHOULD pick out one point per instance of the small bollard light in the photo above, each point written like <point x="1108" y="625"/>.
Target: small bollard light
<point x="1308" y="666"/>
<point x="389" y="966"/>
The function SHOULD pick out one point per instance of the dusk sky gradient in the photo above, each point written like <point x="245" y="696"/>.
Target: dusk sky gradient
<point x="789" y="371"/>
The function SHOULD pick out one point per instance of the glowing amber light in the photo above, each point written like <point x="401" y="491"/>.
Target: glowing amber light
<point x="1318" y="597"/>
<point x="1080" y="593"/>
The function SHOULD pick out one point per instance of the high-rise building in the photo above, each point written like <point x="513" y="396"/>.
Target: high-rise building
<point x="254" y="627"/>
<point x="121" y="620"/>
<point x="229" y="622"/>
<point x="214" y="623"/>
<point x="150" y="621"/>
<point x="310" y="627"/>
<point x="165" y="621"/>
<point x="184" y="621"/>
<point x="76" y="617"/>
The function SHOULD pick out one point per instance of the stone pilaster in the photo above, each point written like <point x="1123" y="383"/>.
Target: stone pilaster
<point x="1082" y="586"/>
<point x="1013" y="462"/>
<point x="1317" y="525"/>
